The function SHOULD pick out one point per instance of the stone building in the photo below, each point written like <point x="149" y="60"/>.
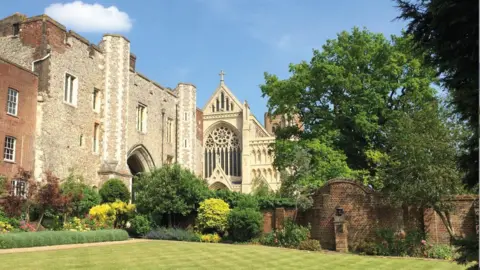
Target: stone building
<point x="18" y="98"/>
<point x="96" y="114"/>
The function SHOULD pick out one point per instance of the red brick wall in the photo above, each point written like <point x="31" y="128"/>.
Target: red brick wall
<point x="22" y="126"/>
<point x="366" y="211"/>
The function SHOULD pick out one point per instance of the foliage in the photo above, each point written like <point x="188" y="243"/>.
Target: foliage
<point x="114" y="189"/>
<point x="5" y="227"/>
<point x="82" y="196"/>
<point x="269" y="201"/>
<point x="468" y="250"/>
<point x="310" y="244"/>
<point x="10" y="220"/>
<point x="447" y="30"/>
<point x="50" y="198"/>
<point x="260" y="187"/>
<point x="212" y="216"/>
<point x="345" y="96"/>
<point x="444" y="252"/>
<point x="95" y="224"/>
<point x="3" y="185"/>
<point x="76" y="224"/>
<point x="26" y="226"/>
<point x="169" y="190"/>
<point x="16" y="206"/>
<point x="176" y="234"/>
<point x="244" y="224"/>
<point x="210" y="238"/>
<point x="50" y="238"/>
<point x="116" y="213"/>
<point x="389" y="243"/>
<point x="291" y="235"/>
<point x="420" y="167"/>
<point x="139" y="225"/>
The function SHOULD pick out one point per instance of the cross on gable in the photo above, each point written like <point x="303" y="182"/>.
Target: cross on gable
<point x="221" y="75"/>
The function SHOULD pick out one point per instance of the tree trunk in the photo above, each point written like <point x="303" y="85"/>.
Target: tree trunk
<point x="40" y="220"/>
<point x="446" y="221"/>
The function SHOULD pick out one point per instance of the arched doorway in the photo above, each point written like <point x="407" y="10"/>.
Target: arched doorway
<point x="139" y="161"/>
<point x="218" y="186"/>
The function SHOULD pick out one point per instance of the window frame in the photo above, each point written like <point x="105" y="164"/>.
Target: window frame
<point x="9" y="101"/>
<point x="70" y="90"/>
<point x="16" y="189"/>
<point x="13" y="149"/>
<point x="96" y="138"/>
<point x="96" y="100"/>
<point x="141" y="118"/>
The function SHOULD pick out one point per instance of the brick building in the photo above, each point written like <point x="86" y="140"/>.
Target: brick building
<point x="18" y="98"/>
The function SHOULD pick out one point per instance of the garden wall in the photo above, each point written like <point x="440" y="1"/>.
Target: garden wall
<point x="366" y="211"/>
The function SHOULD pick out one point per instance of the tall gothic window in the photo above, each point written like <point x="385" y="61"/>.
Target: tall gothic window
<point x="222" y="148"/>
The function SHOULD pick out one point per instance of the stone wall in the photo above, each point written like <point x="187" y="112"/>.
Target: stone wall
<point x="187" y="127"/>
<point x="22" y="125"/>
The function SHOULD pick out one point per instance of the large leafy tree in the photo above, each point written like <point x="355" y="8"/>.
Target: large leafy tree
<point x="420" y="167"/>
<point x="169" y="191"/>
<point x="350" y="90"/>
<point x="447" y="31"/>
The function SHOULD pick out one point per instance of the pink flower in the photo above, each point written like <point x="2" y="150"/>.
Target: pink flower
<point x="424" y="242"/>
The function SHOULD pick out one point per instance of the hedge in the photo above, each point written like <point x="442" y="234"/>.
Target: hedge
<point x="50" y="238"/>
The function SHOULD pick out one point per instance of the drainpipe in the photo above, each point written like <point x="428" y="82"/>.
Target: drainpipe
<point x="163" y="128"/>
<point x="41" y="59"/>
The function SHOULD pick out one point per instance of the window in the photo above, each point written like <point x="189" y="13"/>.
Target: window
<point x="96" y="132"/>
<point x="16" y="29"/>
<point x="81" y="140"/>
<point x="142" y="118"/>
<point x="185" y="116"/>
<point x="185" y="143"/>
<point x="9" y="149"/>
<point x="169" y="130"/>
<point x="96" y="100"/>
<point x="222" y="148"/>
<point x="12" y="102"/>
<point x="169" y="160"/>
<point x="71" y="85"/>
<point x="19" y="188"/>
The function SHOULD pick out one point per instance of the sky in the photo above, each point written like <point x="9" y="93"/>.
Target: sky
<point x="193" y="40"/>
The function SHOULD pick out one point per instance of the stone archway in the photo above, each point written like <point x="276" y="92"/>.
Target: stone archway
<point x="218" y="186"/>
<point x="139" y="161"/>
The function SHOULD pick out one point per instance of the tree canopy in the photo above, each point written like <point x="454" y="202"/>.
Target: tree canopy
<point x="447" y="32"/>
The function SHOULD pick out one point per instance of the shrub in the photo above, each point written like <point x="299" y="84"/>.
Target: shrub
<point x="102" y="213"/>
<point x="116" y="213"/>
<point x="210" y="238"/>
<point x="244" y="224"/>
<point x="49" y="238"/>
<point x="10" y="220"/>
<point x="390" y="243"/>
<point x="212" y="216"/>
<point x="5" y="227"/>
<point x="114" y="189"/>
<point x="444" y="252"/>
<point x="76" y="224"/>
<point x="82" y="196"/>
<point x="139" y="225"/>
<point x="468" y="250"/>
<point x="290" y="236"/>
<point x="310" y="244"/>
<point x="176" y="234"/>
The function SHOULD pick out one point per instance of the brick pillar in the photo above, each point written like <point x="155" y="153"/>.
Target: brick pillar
<point x="341" y="234"/>
<point x="279" y="218"/>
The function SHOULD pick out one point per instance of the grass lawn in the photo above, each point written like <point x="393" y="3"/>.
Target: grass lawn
<point x="185" y="255"/>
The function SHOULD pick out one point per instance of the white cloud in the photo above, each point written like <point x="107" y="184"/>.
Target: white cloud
<point x="83" y="17"/>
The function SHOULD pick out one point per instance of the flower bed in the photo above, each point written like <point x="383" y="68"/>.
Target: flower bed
<point x="51" y="238"/>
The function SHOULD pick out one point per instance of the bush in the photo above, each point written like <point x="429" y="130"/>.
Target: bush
<point x="139" y="225"/>
<point x="212" y="216"/>
<point x="10" y="220"/>
<point x="244" y="224"/>
<point x="468" y="251"/>
<point x="175" y="234"/>
<point x="310" y="244"/>
<point x="270" y="201"/>
<point x="390" y="243"/>
<point x="50" y="238"/>
<point x="290" y="236"/>
<point x="444" y="252"/>
<point x="210" y="238"/>
<point x="5" y="227"/>
<point x="116" y="213"/>
<point x="82" y="196"/>
<point x="114" y="189"/>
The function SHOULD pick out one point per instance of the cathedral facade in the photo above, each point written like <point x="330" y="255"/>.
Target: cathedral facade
<point x="98" y="116"/>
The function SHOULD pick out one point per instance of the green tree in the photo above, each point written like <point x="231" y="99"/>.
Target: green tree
<point x="114" y="189"/>
<point x="168" y="191"/>
<point x="420" y="166"/>
<point x="349" y="91"/>
<point x="447" y="30"/>
<point x="82" y="196"/>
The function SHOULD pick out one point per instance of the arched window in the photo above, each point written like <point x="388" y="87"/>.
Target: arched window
<point x="222" y="148"/>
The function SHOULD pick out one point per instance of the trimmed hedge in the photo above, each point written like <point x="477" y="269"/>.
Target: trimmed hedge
<point x="175" y="234"/>
<point x="51" y="238"/>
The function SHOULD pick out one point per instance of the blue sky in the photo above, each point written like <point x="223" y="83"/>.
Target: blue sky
<point x="192" y="40"/>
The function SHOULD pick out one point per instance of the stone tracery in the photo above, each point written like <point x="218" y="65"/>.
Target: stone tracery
<point x="222" y="148"/>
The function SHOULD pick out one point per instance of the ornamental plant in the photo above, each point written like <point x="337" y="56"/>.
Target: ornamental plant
<point x="116" y="213"/>
<point x="114" y="189"/>
<point x="5" y="227"/>
<point x="213" y="216"/>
